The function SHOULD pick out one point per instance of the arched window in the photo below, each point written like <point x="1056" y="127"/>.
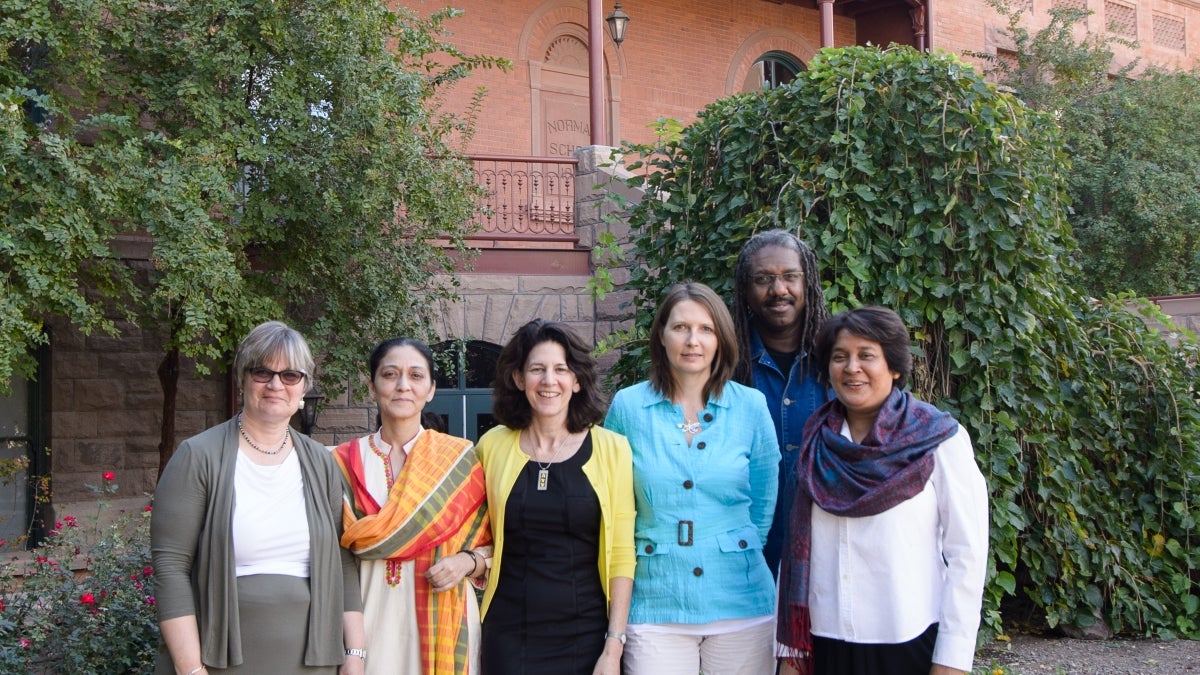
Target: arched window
<point x="465" y="370"/>
<point x="772" y="70"/>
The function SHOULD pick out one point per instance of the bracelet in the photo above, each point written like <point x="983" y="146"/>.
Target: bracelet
<point x="474" y="560"/>
<point x="193" y="671"/>
<point x="357" y="651"/>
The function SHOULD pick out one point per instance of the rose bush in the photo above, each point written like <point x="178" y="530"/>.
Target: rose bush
<point x="84" y="602"/>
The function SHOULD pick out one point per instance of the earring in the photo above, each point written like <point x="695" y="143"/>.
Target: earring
<point x="301" y="404"/>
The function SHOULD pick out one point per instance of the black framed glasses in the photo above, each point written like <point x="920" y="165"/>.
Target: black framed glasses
<point x="288" y="377"/>
<point x="767" y="280"/>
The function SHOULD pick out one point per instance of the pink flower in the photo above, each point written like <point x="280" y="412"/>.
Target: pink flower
<point x="147" y="571"/>
<point x="69" y="520"/>
<point x="148" y="508"/>
<point x="2" y="605"/>
<point x="108" y="475"/>
<point x="42" y="559"/>
<point x="87" y="599"/>
<point x="25" y="643"/>
<point x="149" y="599"/>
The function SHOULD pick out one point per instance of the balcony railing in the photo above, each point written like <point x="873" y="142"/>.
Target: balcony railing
<point x="528" y="198"/>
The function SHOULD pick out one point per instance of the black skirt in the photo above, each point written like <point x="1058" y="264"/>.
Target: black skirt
<point x="837" y="657"/>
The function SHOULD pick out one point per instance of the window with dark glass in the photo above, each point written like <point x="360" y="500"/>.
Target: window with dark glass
<point x="465" y="370"/>
<point x="771" y="70"/>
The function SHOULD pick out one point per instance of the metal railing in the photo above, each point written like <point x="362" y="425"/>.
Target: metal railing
<point x="527" y="197"/>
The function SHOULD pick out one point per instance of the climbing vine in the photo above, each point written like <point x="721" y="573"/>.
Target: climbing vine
<point x="923" y="188"/>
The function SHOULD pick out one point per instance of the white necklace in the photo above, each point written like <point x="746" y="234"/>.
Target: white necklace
<point x="689" y="427"/>
<point x="543" y="479"/>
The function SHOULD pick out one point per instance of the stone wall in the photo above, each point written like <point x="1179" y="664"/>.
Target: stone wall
<point x="106" y="410"/>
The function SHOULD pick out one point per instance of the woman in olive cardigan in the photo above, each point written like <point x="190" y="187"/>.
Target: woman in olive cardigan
<point x="254" y="485"/>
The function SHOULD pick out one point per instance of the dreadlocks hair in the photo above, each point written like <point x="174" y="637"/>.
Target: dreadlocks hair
<point x="812" y="317"/>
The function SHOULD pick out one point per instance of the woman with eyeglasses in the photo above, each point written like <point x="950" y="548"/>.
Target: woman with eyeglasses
<point x="249" y="573"/>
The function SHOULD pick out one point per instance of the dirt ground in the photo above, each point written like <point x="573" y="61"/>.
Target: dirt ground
<point x="1032" y="655"/>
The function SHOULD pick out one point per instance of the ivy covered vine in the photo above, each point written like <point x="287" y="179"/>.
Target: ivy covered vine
<point x="923" y="188"/>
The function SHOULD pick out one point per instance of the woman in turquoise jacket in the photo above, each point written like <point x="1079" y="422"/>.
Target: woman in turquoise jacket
<point x="705" y="475"/>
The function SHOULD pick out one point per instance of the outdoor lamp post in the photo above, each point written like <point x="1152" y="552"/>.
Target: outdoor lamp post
<point x="308" y="414"/>
<point x="618" y="22"/>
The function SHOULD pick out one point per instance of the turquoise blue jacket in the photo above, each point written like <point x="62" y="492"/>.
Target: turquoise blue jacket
<point x="703" y="512"/>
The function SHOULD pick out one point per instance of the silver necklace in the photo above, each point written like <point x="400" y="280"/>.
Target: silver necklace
<point x="543" y="478"/>
<point x="689" y="427"/>
<point x="287" y="434"/>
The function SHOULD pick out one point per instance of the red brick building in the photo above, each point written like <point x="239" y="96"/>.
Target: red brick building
<point x="96" y="405"/>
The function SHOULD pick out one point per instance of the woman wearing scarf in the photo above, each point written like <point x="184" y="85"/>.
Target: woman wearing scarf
<point x="417" y="522"/>
<point x="885" y="560"/>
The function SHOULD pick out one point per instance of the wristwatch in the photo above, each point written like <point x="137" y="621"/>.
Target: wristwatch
<point x="619" y="637"/>
<point x="360" y="653"/>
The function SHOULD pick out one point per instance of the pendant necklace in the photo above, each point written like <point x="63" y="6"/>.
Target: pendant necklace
<point x="689" y="427"/>
<point x="543" y="477"/>
<point x="287" y="434"/>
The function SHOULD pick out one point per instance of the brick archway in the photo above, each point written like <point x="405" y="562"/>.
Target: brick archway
<point x="557" y="89"/>
<point x="759" y="43"/>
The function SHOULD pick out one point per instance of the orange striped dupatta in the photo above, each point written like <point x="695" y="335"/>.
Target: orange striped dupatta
<point x="435" y="509"/>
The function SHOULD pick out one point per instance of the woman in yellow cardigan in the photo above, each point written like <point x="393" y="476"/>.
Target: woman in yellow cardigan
<point x="560" y="496"/>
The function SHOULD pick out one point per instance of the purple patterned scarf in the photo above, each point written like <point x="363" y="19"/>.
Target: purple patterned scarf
<point x="891" y="465"/>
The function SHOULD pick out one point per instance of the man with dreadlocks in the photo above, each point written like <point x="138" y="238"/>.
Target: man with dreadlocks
<point x="778" y="310"/>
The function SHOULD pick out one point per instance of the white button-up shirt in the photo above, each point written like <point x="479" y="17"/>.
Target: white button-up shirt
<point x="884" y="579"/>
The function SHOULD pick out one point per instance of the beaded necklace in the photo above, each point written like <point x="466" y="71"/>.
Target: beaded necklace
<point x="393" y="575"/>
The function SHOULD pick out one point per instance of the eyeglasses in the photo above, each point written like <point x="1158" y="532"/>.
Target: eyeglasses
<point x="287" y="377"/>
<point x="766" y="280"/>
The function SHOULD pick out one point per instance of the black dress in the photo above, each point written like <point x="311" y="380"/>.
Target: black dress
<point x="549" y="613"/>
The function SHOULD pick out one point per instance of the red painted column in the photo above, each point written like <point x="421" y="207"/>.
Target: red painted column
<point x="596" y="71"/>
<point x="826" y="23"/>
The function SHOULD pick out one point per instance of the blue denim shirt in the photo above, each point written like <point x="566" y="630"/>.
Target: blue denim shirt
<point x="702" y="510"/>
<point x="791" y="400"/>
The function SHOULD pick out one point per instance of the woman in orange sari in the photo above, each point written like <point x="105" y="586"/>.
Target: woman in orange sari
<point x="416" y="520"/>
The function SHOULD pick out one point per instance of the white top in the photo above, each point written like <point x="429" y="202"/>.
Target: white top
<point x="270" y="524"/>
<point x="884" y="579"/>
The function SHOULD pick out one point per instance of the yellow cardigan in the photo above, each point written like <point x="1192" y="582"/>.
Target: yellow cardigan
<point x="609" y="470"/>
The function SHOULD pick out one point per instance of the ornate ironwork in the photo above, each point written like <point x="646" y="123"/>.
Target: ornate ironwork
<point x="530" y="196"/>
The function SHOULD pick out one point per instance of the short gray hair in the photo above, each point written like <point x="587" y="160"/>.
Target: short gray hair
<point x="269" y="341"/>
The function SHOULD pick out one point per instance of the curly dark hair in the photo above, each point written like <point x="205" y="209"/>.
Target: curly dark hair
<point x="812" y="317"/>
<point x="877" y="324"/>
<point x="509" y="405"/>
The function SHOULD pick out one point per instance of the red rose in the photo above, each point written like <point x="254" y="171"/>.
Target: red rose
<point x="108" y="475"/>
<point x="87" y="599"/>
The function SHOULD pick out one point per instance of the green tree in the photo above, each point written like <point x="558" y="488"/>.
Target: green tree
<point x="287" y="159"/>
<point x="1134" y="182"/>
<point x="923" y="188"/>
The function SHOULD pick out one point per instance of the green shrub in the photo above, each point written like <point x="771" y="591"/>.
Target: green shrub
<point x="83" y="603"/>
<point x="922" y="188"/>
